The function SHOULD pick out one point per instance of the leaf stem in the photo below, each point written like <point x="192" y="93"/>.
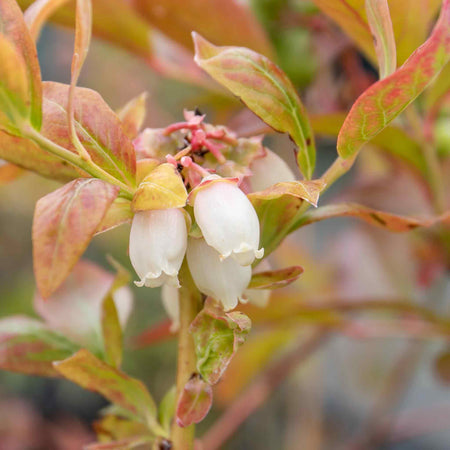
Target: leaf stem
<point x="76" y="160"/>
<point x="190" y="302"/>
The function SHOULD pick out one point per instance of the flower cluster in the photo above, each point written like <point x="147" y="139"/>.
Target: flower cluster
<point x="216" y="227"/>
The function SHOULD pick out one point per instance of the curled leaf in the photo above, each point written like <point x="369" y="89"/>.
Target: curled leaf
<point x="274" y="279"/>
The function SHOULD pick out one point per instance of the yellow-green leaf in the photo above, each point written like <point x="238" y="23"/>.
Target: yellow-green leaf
<point x="163" y="188"/>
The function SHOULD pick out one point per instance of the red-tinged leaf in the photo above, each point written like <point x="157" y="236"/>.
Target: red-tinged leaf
<point x="9" y="172"/>
<point x="38" y="13"/>
<point x="387" y="98"/>
<point x="132" y="115"/>
<point x="89" y="372"/>
<point x="154" y="335"/>
<point x="392" y="139"/>
<point x="118" y="213"/>
<point x="274" y="279"/>
<point x="277" y="210"/>
<point x="217" y="336"/>
<point x="98" y="128"/>
<point x="83" y="27"/>
<point x="412" y="21"/>
<point x="64" y="223"/>
<point x="14" y="88"/>
<point x="350" y="15"/>
<point x="28" y="155"/>
<point x="113" y="20"/>
<point x="81" y="297"/>
<point x="212" y="18"/>
<point x="28" y="346"/>
<point x="392" y="222"/>
<point x="380" y="24"/>
<point x="306" y="190"/>
<point x="265" y="89"/>
<point x="13" y="27"/>
<point x="194" y="403"/>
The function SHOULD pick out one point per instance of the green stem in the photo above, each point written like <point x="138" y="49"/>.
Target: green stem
<point x="190" y="303"/>
<point x="76" y="160"/>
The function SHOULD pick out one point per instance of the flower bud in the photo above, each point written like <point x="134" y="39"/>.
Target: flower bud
<point x="223" y="279"/>
<point x="158" y="240"/>
<point x="227" y="219"/>
<point x="269" y="170"/>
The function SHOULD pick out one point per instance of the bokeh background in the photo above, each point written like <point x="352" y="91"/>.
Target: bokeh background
<point x="375" y="378"/>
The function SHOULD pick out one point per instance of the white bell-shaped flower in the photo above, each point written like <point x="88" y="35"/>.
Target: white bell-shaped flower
<point x="170" y="296"/>
<point x="223" y="279"/>
<point x="227" y="219"/>
<point x="158" y="241"/>
<point x="269" y="170"/>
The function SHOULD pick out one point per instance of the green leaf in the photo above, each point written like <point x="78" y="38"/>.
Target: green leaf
<point x="383" y="34"/>
<point x="28" y="346"/>
<point x="217" y="336"/>
<point x="166" y="409"/>
<point x="265" y="89"/>
<point x="194" y="403"/>
<point x="89" y="372"/>
<point x="274" y="279"/>
<point x="163" y="188"/>
<point x="98" y="128"/>
<point x="14" y="29"/>
<point x="112" y="332"/>
<point x="386" y="99"/>
<point x="14" y="89"/>
<point x="278" y="205"/>
<point x="64" y="223"/>
<point x="112" y="427"/>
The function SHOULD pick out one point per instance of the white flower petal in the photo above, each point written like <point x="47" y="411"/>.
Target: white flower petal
<point x="170" y="296"/>
<point x="158" y="240"/>
<point x="223" y="280"/>
<point x="269" y="170"/>
<point x="228" y="221"/>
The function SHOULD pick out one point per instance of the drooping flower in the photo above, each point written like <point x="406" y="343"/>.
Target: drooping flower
<point x="269" y="170"/>
<point x="223" y="279"/>
<point x="227" y="219"/>
<point x="158" y="241"/>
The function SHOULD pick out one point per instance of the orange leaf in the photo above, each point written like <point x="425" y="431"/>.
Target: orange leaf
<point x="64" y="223"/>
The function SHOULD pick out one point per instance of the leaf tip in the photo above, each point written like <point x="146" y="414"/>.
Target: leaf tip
<point x="203" y="48"/>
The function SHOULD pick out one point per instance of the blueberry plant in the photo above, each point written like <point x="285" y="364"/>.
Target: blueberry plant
<point x="206" y="204"/>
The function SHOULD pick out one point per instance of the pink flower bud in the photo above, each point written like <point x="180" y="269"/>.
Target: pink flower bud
<point x="223" y="279"/>
<point x="158" y="241"/>
<point x="227" y="220"/>
<point x="269" y="170"/>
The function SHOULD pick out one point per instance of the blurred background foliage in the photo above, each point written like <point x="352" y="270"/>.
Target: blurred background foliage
<point x="369" y="380"/>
